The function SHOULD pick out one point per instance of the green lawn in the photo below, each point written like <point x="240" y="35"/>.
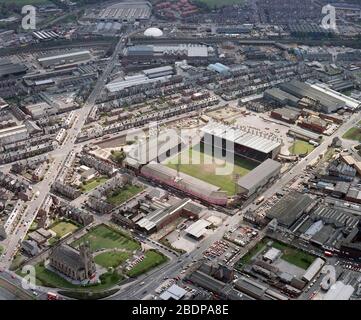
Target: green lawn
<point x="301" y="147"/>
<point x="353" y="134"/>
<point x="104" y="237"/>
<point x="62" y="228"/>
<point x="47" y="278"/>
<point x="251" y="253"/>
<point x="205" y="168"/>
<point x="1" y="250"/>
<point x="152" y="259"/>
<point x="294" y="256"/>
<point x="111" y="259"/>
<point x="93" y="183"/>
<point x="121" y="195"/>
<point x="219" y="3"/>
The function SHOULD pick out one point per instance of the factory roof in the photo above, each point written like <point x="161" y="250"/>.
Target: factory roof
<point x="287" y="113"/>
<point x="299" y="89"/>
<point x="313" y="269"/>
<point x="259" y="174"/>
<point x="63" y="55"/>
<point x="198" y="228"/>
<point x="290" y="208"/>
<point x="238" y="136"/>
<point x="8" y="68"/>
<point x="12" y="130"/>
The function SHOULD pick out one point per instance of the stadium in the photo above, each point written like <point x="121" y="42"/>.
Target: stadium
<point x="253" y="166"/>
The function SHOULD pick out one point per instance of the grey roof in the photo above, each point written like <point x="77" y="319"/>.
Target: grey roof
<point x="313" y="269"/>
<point x="257" y="176"/>
<point x="323" y="235"/>
<point x="8" y="68"/>
<point x="287" y="113"/>
<point x="299" y="89"/>
<point x="289" y="208"/>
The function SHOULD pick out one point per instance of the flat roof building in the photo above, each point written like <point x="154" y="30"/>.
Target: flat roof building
<point x="64" y="58"/>
<point x="313" y="269"/>
<point x="198" y="228"/>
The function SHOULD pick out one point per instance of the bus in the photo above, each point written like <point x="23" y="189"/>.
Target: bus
<point x="328" y="253"/>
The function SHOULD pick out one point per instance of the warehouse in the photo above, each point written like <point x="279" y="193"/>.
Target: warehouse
<point x="313" y="269"/>
<point x="219" y="68"/>
<point x="324" y="102"/>
<point x="192" y="186"/>
<point x="169" y="51"/>
<point x="281" y="97"/>
<point x="159" y="72"/>
<point x="123" y="12"/>
<point x="290" y="208"/>
<point x="65" y="58"/>
<point x="304" y="135"/>
<point x="285" y="114"/>
<point x="254" y="146"/>
<point x="8" y="69"/>
<point x="252" y="182"/>
<point x="159" y="218"/>
<point x="13" y="134"/>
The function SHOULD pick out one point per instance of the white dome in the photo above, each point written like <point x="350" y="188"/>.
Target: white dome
<point x="153" y="32"/>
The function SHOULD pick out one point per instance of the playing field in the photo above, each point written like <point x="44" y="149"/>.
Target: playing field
<point x="301" y="147"/>
<point x="219" y="3"/>
<point x="103" y="237"/>
<point x="353" y="134"/>
<point x="63" y="228"/>
<point x="205" y="168"/>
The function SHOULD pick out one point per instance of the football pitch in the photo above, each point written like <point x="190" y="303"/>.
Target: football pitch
<point x="203" y="166"/>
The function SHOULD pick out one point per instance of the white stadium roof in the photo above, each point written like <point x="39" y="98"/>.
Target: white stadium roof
<point x="241" y="137"/>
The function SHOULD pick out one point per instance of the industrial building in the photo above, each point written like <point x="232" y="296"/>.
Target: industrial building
<point x="165" y="214"/>
<point x="339" y="291"/>
<point x="188" y="184"/>
<point x="290" y="208"/>
<point x="64" y="58"/>
<point x="322" y="101"/>
<point x="9" y="69"/>
<point x="219" y="68"/>
<point x="13" y="134"/>
<point x="122" y="12"/>
<point x="147" y="76"/>
<point x="313" y="269"/>
<point x="178" y="51"/>
<point x="285" y="114"/>
<point x="252" y="145"/>
<point x="255" y="180"/>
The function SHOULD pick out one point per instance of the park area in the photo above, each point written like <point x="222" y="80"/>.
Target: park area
<point x="63" y="228"/>
<point x="204" y="168"/>
<point x="300" y="147"/>
<point x="354" y="133"/>
<point x="92" y="184"/>
<point x="103" y="237"/>
<point x="151" y="260"/>
<point x="111" y="259"/>
<point x="123" y="194"/>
